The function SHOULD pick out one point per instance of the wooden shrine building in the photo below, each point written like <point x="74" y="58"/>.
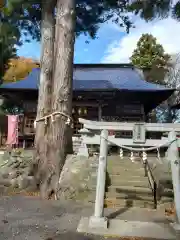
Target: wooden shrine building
<point x="110" y="92"/>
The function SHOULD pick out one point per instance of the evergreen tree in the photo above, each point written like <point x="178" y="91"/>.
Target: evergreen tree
<point x="150" y="57"/>
<point x="153" y="9"/>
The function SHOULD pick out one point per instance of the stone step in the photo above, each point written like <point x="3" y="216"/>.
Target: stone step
<point x="124" y="163"/>
<point x="116" y="177"/>
<point x="123" y="200"/>
<point x="126" y="182"/>
<point x="133" y="196"/>
<point x="129" y="177"/>
<point x="117" y="171"/>
<point x="165" y="200"/>
<point x="121" y="175"/>
<point x="124" y="160"/>
<point x="123" y="182"/>
<point x="118" y="160"/>
<point x="129" y="190"/>
<point x="115" y="203"/>
<point x="168" y="193"/>
<point x="146" y="196"/>
<point x="125" y="167"/>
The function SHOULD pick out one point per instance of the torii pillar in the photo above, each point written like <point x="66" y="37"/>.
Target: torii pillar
<point x="98" y="220"/>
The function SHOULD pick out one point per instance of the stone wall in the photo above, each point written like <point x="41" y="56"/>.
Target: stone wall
<point x="16" y="171"/>
<point x="162" y="174"/>
<point x="76" y="177"/>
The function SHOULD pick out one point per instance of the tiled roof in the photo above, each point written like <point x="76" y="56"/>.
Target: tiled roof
<point x="91" y="77"/>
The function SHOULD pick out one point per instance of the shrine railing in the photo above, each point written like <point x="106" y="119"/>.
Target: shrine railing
<point x="152" y="182"/>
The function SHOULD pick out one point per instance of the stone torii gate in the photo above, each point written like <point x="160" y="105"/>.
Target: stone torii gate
<point x="139" y="140"/>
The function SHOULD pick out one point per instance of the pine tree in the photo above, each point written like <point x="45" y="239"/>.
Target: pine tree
<point x="150" y="57"/>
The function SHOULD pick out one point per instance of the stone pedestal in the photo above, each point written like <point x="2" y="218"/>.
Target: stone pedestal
<point x="176" y="227"/>
<point x="83" y="150"/>
<point x="98" y="222"/>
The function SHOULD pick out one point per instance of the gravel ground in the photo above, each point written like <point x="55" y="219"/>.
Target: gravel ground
<point x="30" y="218"/>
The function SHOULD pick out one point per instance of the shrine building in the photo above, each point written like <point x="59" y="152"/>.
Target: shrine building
<point x="109" y="92"/>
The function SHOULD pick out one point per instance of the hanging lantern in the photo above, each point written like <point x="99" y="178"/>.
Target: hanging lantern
<point x="52" y="119"/>
<point x="158" y="154"/>
<point x="85" y="111"/>
<point x="132" y="157"/>
<point x="35" y="124"/>
<point x="46" y="121"/>
<point x="121" y="153"/>
<point x="144" y="156"/>
<point x="79" y="111"/>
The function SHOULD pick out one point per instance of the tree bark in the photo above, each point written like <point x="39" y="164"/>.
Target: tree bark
<point x="54" y="154"/>
<point x="65" y="31"/>
<point x="63" y="81"/>
<point x="45" y="91"/>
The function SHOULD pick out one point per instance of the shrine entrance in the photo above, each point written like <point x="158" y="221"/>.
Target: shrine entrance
<point x="83" y="111"/>
<point x="139" y="143"/>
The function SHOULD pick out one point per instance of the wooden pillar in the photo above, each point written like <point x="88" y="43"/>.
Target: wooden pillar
<point x="99" y="112"/>
<point x="98" y="219"/>
<point x="173" y="157"/>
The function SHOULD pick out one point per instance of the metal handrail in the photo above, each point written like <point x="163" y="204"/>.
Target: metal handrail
<point x="152" y="182"/>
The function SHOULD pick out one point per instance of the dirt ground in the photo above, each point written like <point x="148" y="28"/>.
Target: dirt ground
<point x="30" y="218"/>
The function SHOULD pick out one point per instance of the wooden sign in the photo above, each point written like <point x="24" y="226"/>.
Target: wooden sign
<point x="139" y="133"/>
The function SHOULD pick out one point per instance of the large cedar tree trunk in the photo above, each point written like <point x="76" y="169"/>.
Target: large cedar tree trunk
<point x="63" y="80"/>
<point x="45" y="91"/>
<point x="51" y="144"/>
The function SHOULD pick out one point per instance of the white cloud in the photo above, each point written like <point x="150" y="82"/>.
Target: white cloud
<point x="167" y="32"/>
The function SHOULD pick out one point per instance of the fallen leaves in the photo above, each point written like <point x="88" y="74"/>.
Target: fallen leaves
<point x="24" y="193"/>
<point x="170" y="211"/>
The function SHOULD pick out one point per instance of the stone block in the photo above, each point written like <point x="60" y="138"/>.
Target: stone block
<point x="176" y="227"/>
<point x="98" y="222"/>
<point x="25" y="181"/>
<point x="13" y="174"/>
<point x="14" y="183"/>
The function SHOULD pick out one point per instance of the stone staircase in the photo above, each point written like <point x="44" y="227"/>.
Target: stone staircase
<point x="126" y="185"/>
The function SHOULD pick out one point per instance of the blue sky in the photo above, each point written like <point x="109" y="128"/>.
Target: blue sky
<point x="114" y="45"/>
<point x="92" y="52"/>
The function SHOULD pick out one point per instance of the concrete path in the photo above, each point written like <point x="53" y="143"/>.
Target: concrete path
<point x="30" y="218"/>
<point x="117" y="227"/>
